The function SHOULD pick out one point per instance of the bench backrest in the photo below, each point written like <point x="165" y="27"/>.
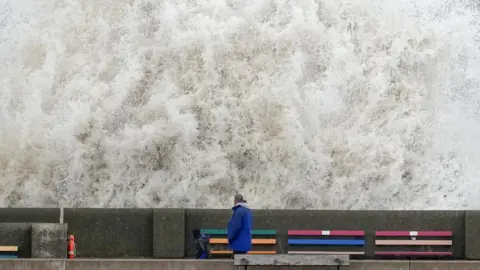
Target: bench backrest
<point x="349" y="242"/>
<point x="263" y="241"/>
<point x="413" y="243"/>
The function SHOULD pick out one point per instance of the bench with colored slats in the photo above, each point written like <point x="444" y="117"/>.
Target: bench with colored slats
<point x="8" y="252"/>
<point x="413" y="243"/>
<point x="324" y="242"/>
<point x="263" y="241"/>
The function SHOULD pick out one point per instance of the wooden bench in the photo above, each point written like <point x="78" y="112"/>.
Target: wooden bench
<point x="413" y="243"/>
<point x="8" y="252"/>
<point x="241" y="262"/>
<point x="336" y="242"/>
<point x="263" y="241"/>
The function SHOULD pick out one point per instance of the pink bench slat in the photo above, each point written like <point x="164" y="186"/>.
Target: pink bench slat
<point x="327" y="252"/>
<point x="413" y="233"/>
<point x="326" y="232"/>
<point x="414" y="253"/>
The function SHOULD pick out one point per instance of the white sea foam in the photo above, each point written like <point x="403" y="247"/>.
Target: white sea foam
<point x="312" y="104"/>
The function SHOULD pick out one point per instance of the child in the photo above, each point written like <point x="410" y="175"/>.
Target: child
<point x="201" y="245"/>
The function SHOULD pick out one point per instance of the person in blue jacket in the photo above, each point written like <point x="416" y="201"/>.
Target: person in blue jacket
<point x="240" y="227"/>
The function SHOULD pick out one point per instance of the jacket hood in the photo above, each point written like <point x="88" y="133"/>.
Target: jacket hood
<point x="240" y="205"/>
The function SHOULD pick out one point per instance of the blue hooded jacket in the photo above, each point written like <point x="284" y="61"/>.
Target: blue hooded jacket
<point x="240" y="228"/>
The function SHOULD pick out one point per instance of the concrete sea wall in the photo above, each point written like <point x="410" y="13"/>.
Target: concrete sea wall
<point x="165" y="233"/>
<point x="107" y="264"/>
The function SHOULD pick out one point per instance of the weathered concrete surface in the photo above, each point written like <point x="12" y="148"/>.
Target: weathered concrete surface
<point x="29" y="215"/>
<point x="472" y="233"/>
<point x="444" y="265"/>
<point x="291" y="260"/>
<point x="87" y="264"/>
<point x="377" y="265"/>
<point x="17" y="234"/>
<point x="169" y="233"/>
<point x="49" y="240"/>
<point x="121" y="233"/>
<point x="111" y="233"/>
<point x="33" y="264"/>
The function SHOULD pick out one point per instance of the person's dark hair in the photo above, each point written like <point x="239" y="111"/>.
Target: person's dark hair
<point x="196" y="233"/>
<point x="239" y="198"/>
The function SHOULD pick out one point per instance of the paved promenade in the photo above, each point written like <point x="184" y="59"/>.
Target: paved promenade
<point x="124" y="264"/>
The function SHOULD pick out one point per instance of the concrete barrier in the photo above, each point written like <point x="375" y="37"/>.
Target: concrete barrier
<point x="169" y="234"/>
<point x="17" y="234"/>
<point x="166" y="233"/>
<point x="35" y="240"/>
<point x="48" y="240"/>
<point x="111" y="233"/>
<point x="30" y="215"/>
<point x="472" y="231"/>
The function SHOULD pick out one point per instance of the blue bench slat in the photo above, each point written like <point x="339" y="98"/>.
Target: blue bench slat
<point x="8" y="256"/>
<point x="326" y="242"/>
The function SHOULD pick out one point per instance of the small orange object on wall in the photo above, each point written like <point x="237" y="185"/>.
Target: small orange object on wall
<point x="71" y="247"/>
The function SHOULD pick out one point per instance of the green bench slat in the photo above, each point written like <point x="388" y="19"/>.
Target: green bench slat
<point x="224" y="232"/>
